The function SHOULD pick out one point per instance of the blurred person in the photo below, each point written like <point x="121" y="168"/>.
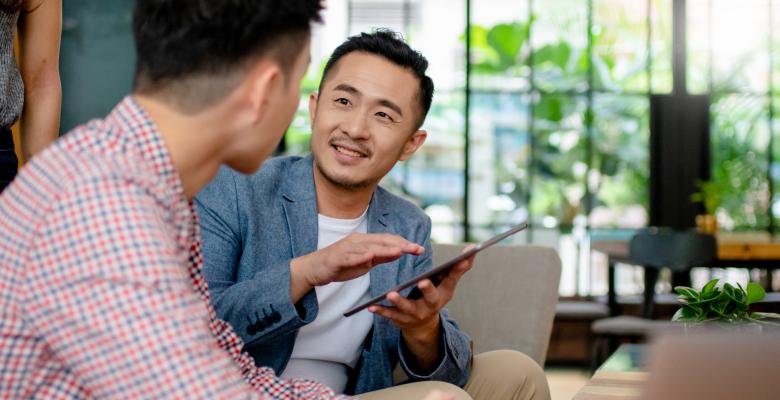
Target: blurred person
<point x="30" y="90"/>
<point x="292" y="247"/>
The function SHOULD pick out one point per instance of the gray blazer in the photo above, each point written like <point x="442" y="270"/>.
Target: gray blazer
<point x="252" y="226"/>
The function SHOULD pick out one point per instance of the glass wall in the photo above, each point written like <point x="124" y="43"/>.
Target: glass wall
<point x="732" y="61"/>
<point x="541" y="113"/>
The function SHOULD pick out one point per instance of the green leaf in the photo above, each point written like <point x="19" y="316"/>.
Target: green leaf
<point x="507" y="40"/>
<point x="736" y="294"/>
<point x="754" y="293"/>
<point x="709" y="288"/>
<point x="549" y="108"/>
<point x="687" y="292"/>
<point x="485" y="59"/>
<point x="685" y="314"/>
<point x="556" y="54"/>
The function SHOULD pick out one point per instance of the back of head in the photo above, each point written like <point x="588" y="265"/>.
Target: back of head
<point x="391" y="46"/>
<point x="193" y="53"/>
<point x="10" y="6"/>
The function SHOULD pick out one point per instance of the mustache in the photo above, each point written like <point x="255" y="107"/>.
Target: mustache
<point x="345" y="142"/>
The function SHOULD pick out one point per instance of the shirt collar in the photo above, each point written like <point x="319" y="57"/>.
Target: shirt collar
<point x="138" y="133"/>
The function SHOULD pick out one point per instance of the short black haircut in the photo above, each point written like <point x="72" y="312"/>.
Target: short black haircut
<point x="196" y="51"/>
<point x="390" y="45"/>
<point x="10" y="6"/>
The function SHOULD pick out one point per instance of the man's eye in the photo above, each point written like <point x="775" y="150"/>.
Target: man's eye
<point x="384" y="115"/>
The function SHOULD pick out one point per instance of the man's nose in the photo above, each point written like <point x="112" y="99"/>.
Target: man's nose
<point x="355" y="125"/>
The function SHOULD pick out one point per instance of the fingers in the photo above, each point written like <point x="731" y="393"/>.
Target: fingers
<point x="405" y="311"/>
<point x="384" y="240"/>
<point x="450" y="282"/>
<point x="431" y="296"/>
<point x="402" y="305"/>
<point x="384" y="247"/>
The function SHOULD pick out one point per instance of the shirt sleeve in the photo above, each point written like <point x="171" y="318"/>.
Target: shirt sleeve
<point x="109" y="294"/>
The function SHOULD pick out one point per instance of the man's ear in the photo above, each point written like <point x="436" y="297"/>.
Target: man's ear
<point x="415" y="141"/>
<point x="264" y="83"/>
<point x="312" y="107"/>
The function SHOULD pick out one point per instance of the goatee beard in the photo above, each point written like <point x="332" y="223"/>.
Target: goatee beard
<point x="341" y="183"/>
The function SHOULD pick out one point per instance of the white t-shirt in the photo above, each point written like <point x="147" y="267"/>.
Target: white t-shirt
<point x="326" y="348"/>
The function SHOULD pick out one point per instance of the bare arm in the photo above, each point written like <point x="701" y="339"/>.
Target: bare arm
<point x="40" y="26"/>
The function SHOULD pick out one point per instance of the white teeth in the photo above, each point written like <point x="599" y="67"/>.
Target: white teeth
<point x="348" y="152"/>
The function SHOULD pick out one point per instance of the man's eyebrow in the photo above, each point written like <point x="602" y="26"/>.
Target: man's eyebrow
<point x="346" y="88"/>
<point x="389" y="104"/>
<point x="383" y="102"/>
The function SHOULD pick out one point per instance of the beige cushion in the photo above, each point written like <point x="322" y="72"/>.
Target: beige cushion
<point x="581" y="310"/>
<point x="508" y="299"/>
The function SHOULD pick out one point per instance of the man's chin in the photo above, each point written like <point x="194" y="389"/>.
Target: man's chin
<point x="348" y="183"/>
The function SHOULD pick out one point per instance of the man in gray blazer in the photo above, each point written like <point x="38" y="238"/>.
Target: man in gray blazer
<point x="289" y="249"/>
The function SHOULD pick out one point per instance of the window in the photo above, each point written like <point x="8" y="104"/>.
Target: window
<point x="545" y="116"/>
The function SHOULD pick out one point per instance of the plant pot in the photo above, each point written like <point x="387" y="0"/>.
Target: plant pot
<point x="707" y="223"/>
<point x="693" y="328"/>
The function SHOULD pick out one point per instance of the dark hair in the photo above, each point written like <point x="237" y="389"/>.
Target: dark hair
<point x="11" y="6"/>
<point x="390" y="45"/>
<point x="195" y="49"/>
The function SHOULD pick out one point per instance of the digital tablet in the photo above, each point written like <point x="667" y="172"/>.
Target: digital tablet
<point x="438" y="273"/>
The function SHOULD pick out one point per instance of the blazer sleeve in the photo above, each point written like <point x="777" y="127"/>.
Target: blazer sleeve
<point x="455" y="365"/>
<point x="260" y="308"/>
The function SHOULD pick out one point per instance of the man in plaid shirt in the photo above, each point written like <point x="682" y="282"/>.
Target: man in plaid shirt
<point x="101" y="292"/>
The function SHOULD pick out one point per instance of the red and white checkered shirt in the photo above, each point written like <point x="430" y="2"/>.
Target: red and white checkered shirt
<point x="101" y="291"/>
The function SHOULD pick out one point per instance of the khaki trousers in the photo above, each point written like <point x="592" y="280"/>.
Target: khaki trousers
<point x="499" y="375"/>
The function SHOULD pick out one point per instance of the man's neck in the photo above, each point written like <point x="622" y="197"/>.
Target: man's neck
<point x="193" y="142"/>
<point x="338" y="202"/>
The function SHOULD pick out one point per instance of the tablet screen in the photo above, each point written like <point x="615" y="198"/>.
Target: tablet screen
<point x="436" y="274"/>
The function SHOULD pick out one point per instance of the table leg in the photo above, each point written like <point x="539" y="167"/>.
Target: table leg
<point x="648" y="298"/>
<point x="611" y="289"/>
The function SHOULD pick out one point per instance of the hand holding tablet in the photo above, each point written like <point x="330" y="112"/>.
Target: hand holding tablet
<point x="438" y="273"/>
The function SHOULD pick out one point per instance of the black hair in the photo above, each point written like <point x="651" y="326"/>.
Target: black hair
<point x="11" y="6"/>
<point x="391" y="46"/>
<point x="179" y="42"/>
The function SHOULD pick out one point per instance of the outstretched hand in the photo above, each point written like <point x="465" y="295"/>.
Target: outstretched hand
<point x="347" y="259"/>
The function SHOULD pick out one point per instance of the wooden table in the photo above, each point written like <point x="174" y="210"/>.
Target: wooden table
<point x="734" y="251"/>
<point x="621" y="376"/>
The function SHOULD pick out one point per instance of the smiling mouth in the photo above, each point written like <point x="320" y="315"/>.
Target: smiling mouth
<point x="348" y="152"/>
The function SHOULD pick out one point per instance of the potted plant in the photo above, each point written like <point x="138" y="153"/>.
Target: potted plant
<point x="727" y="305"/>
<point x="709" y="196"/>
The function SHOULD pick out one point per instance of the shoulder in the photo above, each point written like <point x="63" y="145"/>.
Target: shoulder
<point x="264" y="183"/>
<point x="267" y="179"/>
<point x="70" y="168"/>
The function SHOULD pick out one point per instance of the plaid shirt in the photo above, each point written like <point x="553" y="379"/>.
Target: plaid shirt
<point x="101" y="291"/>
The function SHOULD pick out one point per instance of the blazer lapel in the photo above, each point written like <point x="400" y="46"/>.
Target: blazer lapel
<point x="300" y="207"/>
<point x="382" y="277"/>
